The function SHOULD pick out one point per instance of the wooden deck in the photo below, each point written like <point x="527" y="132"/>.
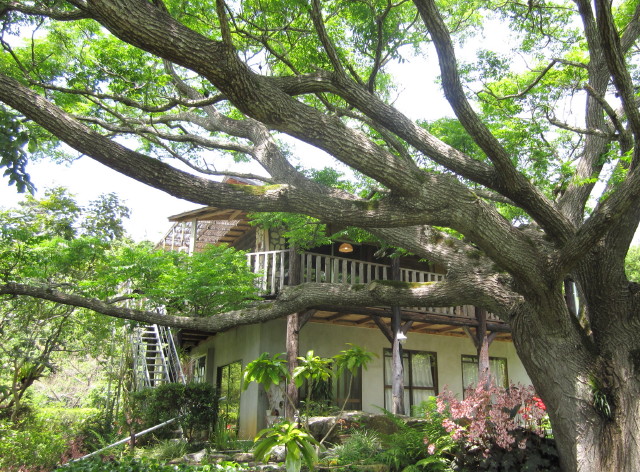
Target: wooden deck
<point x="273" y="267"/>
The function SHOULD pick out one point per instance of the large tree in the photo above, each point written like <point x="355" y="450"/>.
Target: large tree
<point x="505" y="195"/>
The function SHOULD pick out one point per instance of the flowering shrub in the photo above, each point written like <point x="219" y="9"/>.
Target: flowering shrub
<point x="491" y="415"/>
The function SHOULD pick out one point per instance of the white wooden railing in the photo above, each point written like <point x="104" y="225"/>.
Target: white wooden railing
<point x="273" y="267"/>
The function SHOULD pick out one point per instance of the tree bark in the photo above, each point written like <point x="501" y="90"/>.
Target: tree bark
<point x="293" y="351"/>
<point x="293" y="339"/>
<point x="483" y="341"/>
<point x="397" y="369"/>
<point x="594" y="399"/>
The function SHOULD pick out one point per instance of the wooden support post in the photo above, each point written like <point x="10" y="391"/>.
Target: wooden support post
<point x="293" y="351"/>
<point x="293" y="337"/>
<point x="193" y="236"/>
<point x="482" y="348"/>
<point x="397" y="370"/>
<point x="482" y="340"/>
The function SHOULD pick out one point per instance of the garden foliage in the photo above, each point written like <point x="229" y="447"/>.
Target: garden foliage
<point x="45" y="437"/>
<point x="129" y="464"/>
<point x="195" y="403"/>
<point x="490" y="415"/>
<point x="499" y="429"/>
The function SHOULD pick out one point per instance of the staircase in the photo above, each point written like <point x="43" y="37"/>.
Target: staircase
<point x="155" y="357"/>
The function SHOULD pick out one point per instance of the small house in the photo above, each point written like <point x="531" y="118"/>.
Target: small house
<point x="440" y="350"/>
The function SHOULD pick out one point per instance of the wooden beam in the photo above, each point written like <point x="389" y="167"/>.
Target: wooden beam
<point x="386" y="330"/>
<point x="305" y="316"/>
<point x="420" y="317"/>
<point x="471" y="335"/>
<point x="335" y="317"/>
<point x="447" y="329"/>
<point x="406" y="326"/>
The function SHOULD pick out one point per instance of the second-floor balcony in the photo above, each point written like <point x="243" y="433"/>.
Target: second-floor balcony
<point x="193" y="231"/>
<point x="273" y="270"/>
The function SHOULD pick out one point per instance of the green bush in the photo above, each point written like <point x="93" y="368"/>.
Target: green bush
<point x="538" y="454"/>
<point x="196" y="402"/>
<point x="29" y="446"/>
<point x="425" y="445"/>
<point x="166" y="450"/>
<point x="129" y="464"/>
<point x="44" y="438"/>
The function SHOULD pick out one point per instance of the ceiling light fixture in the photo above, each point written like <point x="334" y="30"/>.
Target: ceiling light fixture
<point x="345" y="247"/>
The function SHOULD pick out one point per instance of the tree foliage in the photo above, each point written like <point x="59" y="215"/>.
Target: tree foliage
<point x="506" y="193"/>
<point x="54" y="243"/>
<point x="39" y="240"/>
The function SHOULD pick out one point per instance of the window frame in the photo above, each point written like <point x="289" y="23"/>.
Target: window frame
<point x="477" y="360"/>
<point x="387" y="352"/>
<point x="199" y="369"/>
<point x="224" y="407"/>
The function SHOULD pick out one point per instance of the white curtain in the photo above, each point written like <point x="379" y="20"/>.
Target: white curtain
<point x="421" y="366"/>
<point x="422" y="370"/>
<point x="469" y="372"/>
<point x="498" y="368"/>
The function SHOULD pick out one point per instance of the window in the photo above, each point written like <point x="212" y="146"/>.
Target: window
<point x="228" y="382"/>
<point x="334" y="391"/>
<point x="341" y="390"/>
<point x="420" y="377"/>
<point x="199" y="369"/>
<point x="497" y="368"/>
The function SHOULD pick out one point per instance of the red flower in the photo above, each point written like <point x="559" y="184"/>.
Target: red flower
<point x="539" y="403"/>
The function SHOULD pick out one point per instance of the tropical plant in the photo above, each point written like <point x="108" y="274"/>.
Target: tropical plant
<point x="360" y="447"/>
<point x="299" y="445"/>
<point x="270" y="372"/>
<point x="266" y="371"/>
<point x="312" y="371"/>
<point x="350" y="360"/>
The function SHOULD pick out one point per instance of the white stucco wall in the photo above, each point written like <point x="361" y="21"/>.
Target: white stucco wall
<point x="248" y="342"/>
<point x="327" y="340"/>
<point x="238" y="344"/>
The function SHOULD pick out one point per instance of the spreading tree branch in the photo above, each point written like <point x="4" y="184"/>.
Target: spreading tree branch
<point x="292" y="299"/>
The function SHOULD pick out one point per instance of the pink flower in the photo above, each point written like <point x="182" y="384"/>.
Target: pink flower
<point x="489" y="416"/>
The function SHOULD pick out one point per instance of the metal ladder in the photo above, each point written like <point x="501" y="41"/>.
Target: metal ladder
<point x="155" y="357"/>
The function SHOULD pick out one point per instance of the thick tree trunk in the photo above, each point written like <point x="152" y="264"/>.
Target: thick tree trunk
<point x="594" y="399"/>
